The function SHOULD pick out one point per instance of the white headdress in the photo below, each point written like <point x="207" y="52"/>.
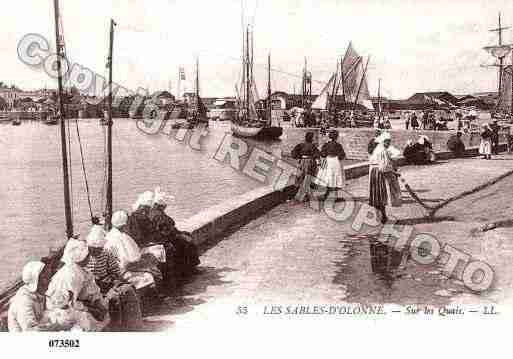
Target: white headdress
<point x="385" y="135"/>
<point x="96" y="237"/>
<point x="423" y="139"/>
<point x="144" y="199"/>
<point x="161" y="198"/>
<point x="30" y="275"/>
<point x="75" y="251"/>
<point x="119" y="218"/>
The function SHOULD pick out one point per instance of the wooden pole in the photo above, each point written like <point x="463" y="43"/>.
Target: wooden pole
<point x="248" y="78"/>
<point x="65" y="173"/>
<point x="197" y="83"/>
<point x="511" y="74"/>
<point x="501" y="59"/>
<point x="108" y="209"/>
<point x="269" y="101"/>
<point x="379" y="97"/>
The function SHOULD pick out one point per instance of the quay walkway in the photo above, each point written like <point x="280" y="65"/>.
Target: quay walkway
<point x="296" y="255"/>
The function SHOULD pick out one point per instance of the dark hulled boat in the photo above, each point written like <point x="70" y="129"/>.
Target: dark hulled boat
<point x="249" y="123"/>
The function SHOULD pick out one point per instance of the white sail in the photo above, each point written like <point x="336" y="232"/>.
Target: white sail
<point x="321" y="102"/>
<point x="364" y="95"/>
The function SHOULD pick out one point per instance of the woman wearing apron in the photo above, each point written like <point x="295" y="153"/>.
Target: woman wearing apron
<point x="331" y="173"/>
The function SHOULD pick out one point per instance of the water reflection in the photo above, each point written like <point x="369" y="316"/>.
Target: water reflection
<point x="385" y="261"/>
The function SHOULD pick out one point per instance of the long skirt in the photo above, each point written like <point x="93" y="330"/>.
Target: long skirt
<point x="485" y="148"/>
<point x="187" y="256"/>
<point x="307" y="167"/>
<point x="384" y="189"/>
<point x="124" y="308"/>
<point x="331" y="174"/>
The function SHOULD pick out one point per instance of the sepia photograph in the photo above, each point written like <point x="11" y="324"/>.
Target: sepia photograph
<point x="170" y="165"/>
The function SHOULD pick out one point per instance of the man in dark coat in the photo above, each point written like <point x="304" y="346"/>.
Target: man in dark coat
<point x="495" y="137"/>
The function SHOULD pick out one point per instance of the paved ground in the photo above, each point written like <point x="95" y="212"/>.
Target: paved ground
<point x="298" y="255"/>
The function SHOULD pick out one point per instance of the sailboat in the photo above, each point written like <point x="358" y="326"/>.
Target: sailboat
<point x="196" y="110"/>
<point x="350" y="78"/>
<point x="248" y="122"/>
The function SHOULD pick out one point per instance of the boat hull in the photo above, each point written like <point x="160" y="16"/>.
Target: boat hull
<point x="270" y="133"/>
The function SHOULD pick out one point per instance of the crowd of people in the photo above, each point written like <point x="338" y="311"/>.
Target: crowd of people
<point x="313" y="118"/>
<point x="105" y="280"/>
<point x="425" y="120"/>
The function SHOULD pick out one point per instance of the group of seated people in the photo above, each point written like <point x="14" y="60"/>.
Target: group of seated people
<point x="420" y="152"/>
<point x="101" y="282"/>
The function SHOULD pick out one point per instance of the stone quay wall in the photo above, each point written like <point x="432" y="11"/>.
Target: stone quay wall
<point x="356" y="140"/>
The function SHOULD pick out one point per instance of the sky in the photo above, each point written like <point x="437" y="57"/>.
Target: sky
<point x="417" y="45"/>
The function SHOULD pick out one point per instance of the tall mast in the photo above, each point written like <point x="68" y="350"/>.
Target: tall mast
<point x="67" y="199"/>
<point x="379" y="98"/>
<point x="500" y="56"/>
<point x="303" y="93"/>
<point x="342" y="81"/>
<point x="197" y="81"/>
<point x="108" y="209"/>
<point x="248" y="79"/>
<point x="501" y="60"/>
<point x="269" y="102"/>
<point x="332" y="104"/>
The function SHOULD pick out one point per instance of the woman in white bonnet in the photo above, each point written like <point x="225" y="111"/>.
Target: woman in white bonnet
<point x="384" y="187"/>
<point x="181" y="254"/>
<point x="27" y="306"/>
<point x="86" y="298"/>
<point x="141" y="271"/>
<point x="139" y="225"/>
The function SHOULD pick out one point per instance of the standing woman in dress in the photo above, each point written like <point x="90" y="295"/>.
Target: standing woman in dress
<point x="384" y="187"/>
<point x="307" y="155"/>
<point x="485" y="148"/>
<point x="331" y="174"/>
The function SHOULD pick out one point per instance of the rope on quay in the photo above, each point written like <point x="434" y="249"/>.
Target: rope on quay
<point x="475" y="189"/>
<point x="433" y="210"/>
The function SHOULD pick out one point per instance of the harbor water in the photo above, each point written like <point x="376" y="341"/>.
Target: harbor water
<point x="31" y="190"/>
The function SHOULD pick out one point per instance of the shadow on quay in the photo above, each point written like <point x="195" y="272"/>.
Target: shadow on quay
<point x="374" y="273"/>
<point x="185" y="297"/>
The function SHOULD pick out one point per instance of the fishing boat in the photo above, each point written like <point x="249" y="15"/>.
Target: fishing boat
<point x="500" y="51"/>
<point x="248" y="122"/>
<point x="350" y="81"/>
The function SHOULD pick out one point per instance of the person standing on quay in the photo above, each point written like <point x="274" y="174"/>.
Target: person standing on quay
<point x="414" y="121"/>
<point x="384" y="187"/>
<point x="495" y="137"/>
<point x="331" y="174"/>
<point x="307" y="154"/>
<point x="485" y="148"/>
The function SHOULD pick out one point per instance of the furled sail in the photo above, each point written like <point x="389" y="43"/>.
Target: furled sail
<point x="321" y="102"/>
<point x="498" y="51"/>
<point x="504" y="103"/>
